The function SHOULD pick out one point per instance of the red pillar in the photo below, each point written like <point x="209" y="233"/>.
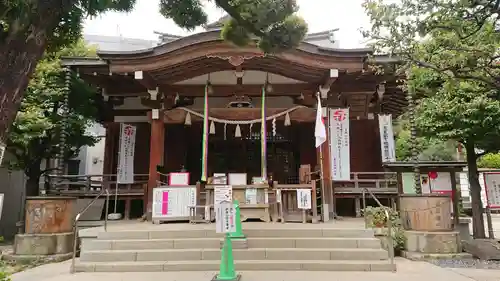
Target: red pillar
<point x="156" y="151"/>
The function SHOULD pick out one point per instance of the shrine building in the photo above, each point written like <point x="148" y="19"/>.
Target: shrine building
<point x="197" y="104"/>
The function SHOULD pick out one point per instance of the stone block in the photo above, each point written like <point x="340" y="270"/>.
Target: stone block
<point x="433" y="242"/>
<point x="117" y="235"/>
<point x="335" y="266"/>
<point x="358" y="254"/>
<point x="297" y="254"/>
<point x="371" y="243"/>
<point x="485" y="249"/>
<point x="170" y="255"/>
<point x="347" y="233"/>
<point x="197" y="243"/>
<point x="96" y="245"/>
<point x="108" y="256"/>
<point x="43" y="244"/>
<point x="130" y="267"/>
<point x="270" y="242"/>
<point x="191" y="266"/>
<point x="142" y="244"/>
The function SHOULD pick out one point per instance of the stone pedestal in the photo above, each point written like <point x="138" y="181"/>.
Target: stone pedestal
<point x="424" y="244"/>
<point x="446" y="242"/>
<point x="57" y="246"/>
<point x="463" y="228"/>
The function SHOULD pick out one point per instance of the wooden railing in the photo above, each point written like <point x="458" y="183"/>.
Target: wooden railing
<point x="286" y="209"/>
<point x="92" y="184"/>
<point x="376" y="182"/>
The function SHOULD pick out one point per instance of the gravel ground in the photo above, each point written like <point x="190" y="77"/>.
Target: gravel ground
<point x="466" y="263"/>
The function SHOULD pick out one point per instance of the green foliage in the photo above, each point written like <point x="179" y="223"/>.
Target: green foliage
<point x="35" y="132"/>
<point x="490" y="161"/>
<point x="429" y="148"/>
<point x="449" y="50"/>
<point x="376" y="217"/>
<point x="273" y="22"/>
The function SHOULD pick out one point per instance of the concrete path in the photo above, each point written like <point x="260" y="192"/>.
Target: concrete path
<point x="407" y="271"/>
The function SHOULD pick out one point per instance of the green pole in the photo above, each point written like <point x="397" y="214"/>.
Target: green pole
<point x="238" y="234"/>
<point x="226" y="269"/>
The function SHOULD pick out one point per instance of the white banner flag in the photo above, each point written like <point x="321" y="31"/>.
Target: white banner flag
<point x="339" y="144"/>
<point x="320" y="129"/>
<point x="126" y="154"/>
<point x="387" y="147"/>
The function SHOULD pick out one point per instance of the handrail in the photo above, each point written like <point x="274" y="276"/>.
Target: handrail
<point x="77" y="218"/>
<point x="390" y="239"/>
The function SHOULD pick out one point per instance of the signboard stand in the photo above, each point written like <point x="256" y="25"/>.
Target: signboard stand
<point x="226" y="222"/>
<point x="238" y="234"/>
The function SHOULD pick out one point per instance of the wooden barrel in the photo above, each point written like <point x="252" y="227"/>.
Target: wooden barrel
<point x="428" y="212"/>
<point x="46" y="214"/>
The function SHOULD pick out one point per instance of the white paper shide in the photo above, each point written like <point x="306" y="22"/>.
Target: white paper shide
<point x="2" y="151"/>
<point x="387" y="147"/>
<point x="339" y="144"/>
<point x="126" y="154"/>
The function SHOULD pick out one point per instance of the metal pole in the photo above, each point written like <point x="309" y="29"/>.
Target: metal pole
<point x="326" y="211"/>
<point x="491" y="233"/>
<point x="118" y="167"/>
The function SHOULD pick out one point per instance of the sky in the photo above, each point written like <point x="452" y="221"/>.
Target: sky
<point x="321" y="15"/>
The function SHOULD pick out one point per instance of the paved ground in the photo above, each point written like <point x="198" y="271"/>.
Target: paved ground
<point x="407" y="271"/>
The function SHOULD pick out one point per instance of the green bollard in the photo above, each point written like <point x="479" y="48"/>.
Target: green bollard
<point x="226" y="269"/>
<point x="238" y="234"/>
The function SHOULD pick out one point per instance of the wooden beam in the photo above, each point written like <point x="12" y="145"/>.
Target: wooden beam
<point x="230" y="90"/>
<point x="146" y="80"/>
<point x="333" y="75"/>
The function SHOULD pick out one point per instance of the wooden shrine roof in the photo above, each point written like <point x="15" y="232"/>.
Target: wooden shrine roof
<point x="163" y="66"/>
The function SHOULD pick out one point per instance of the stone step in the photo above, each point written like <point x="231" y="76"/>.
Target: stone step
<point x="239" y="254"/>
<point x="263" y="232"/>
<point x="214" y="243"/>
<point x="240" y="265"/>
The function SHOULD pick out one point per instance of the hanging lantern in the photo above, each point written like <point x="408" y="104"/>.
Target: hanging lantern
<point x="187" y="121"/>
<point x="288" y="122"/>
<point x="237" y="131"/>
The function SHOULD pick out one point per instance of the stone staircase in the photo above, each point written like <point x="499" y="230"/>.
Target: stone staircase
<point x="315" y="249"/>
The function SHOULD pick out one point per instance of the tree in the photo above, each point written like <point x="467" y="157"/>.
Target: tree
<point x="489" y="161"/>
<point x="35" y="133"/>
<point x="30" y="27"/>
<point x="452" y="61"/>
<point x="429" y="148"/>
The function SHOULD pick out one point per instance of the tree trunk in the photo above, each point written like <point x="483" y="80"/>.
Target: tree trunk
<point x="33" y="186"/>
<point x="20" y="53"/>
<point x="475" y="192"/>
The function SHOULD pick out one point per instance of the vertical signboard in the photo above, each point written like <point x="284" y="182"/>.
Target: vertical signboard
<point x="339" y="144"/>
<point x="225" y="220"/>
<point x="387" y="147"/>
<point x="304" y="199"/>
<point x="492" y="187"/>
<point x="126" y="154"/>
